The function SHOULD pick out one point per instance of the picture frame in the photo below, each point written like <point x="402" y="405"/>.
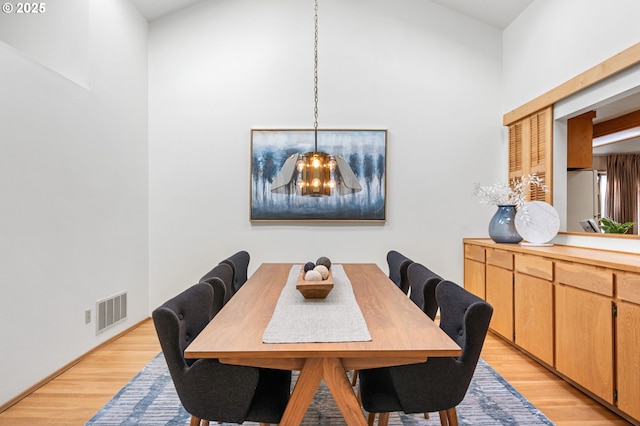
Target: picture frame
<point x="364" y="150"/>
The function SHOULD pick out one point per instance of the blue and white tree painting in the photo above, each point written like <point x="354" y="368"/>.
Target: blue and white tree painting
<point x="364" y="150"/>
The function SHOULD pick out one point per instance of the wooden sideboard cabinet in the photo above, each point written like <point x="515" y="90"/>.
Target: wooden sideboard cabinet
<point x="575" y="310"/>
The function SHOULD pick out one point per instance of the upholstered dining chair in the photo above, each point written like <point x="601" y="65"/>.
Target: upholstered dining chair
<point x="398" y="264"/>
<point x="240" y="263"/>
<point x="220" y="277"/>
<point x="423" y="282"/>
<point x="440" y="383"/>
<point x="209" y="390"/>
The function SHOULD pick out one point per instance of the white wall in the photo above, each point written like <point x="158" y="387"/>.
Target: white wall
<point x="73" y="179"/>
<point x="65" y="49"/>
<point x="217" y="69"/>
<point x="552" y="41"/>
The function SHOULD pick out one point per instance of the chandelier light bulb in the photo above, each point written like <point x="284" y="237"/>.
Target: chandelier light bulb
<point x="300" y="165"/>
<point x="315" y="183"/>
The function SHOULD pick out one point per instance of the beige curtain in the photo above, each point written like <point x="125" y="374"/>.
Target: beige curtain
<point x="623" y="188"/>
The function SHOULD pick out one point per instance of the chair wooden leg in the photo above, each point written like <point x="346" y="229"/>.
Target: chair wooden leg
<point x="195" y="421"/>
<point x="205" y="422"/>
<point x="355" y="378"/>
<point x="452" y="416"/>
<point x="443" y="418"/>
<point x="383" y="419"/>
<point x="426" y="415"/>
<point x="265" y="424"/>
<point x="371" y="419"/>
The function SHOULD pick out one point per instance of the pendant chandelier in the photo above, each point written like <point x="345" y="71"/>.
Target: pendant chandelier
<point x="316" y="173"/>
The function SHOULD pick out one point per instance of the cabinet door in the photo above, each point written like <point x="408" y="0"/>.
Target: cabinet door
<point x="499" y="288"/>
<point x="533" y="316"/>
<point x="474" y="277"/>
<point x="580" y="141"/>
<point x="584" y="339"/>
<point x="628" y="358"/>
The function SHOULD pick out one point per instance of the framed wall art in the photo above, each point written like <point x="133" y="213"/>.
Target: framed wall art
<point x="273" y="154"/>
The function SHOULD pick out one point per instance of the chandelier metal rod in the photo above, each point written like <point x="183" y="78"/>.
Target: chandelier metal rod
<point x="315" y="75"/>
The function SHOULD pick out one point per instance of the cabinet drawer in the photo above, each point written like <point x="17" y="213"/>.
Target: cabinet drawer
<point x="500" y="258"/>
<point x="534" y="266"/>
<point x="586" y="277"/>
<point x="474" y="252"/>
<point x="628" y="286"/>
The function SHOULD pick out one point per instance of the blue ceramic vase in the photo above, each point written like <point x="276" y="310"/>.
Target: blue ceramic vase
<point x="502" y="227"/>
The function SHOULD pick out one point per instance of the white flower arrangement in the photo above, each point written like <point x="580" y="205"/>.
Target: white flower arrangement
<point x="503" y="194"/>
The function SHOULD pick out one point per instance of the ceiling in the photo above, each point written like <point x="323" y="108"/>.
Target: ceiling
<point x="498" y="13"/>
<point x="153" y="9"/>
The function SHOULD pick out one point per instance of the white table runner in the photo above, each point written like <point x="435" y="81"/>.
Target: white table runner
<point x="337" y="318"/>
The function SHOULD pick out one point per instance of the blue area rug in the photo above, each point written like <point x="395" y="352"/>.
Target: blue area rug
<point x="150" y="399"/>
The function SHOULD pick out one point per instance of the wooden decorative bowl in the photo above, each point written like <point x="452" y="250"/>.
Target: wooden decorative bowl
<point x="314" y="289"/>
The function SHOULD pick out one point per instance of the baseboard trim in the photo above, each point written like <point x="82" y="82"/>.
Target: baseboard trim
<point x="58" y="372"/>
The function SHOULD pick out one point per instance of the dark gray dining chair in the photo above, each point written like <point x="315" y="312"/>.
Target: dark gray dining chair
<point x="220" y="278"/>
<point x="423" y="282"/>
<point x="209" y="390"/>
<point x="240" y="263"/>
<point x="440" y="383"/>
<point x="398" y="264"/>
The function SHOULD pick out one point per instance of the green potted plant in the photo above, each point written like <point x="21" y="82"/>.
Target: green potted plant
<point x="610" y="226"/>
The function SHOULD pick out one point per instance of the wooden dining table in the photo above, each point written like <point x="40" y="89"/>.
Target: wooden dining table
<point x="400" y="334"/>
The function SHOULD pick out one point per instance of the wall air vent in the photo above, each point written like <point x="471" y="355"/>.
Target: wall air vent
<point x="111" y="311"/>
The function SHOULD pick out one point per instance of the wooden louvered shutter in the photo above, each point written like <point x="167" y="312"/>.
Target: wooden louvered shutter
<point x="530" y="151"/>
<point x="515" y="150"/>
<point x="540" y="152"/>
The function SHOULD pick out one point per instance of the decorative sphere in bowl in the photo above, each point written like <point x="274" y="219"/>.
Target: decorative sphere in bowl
<point x="309" y="266"/>
<point x="324" y="271"/>
<point x="313" y="275"/>
<point x="324" y="261"/>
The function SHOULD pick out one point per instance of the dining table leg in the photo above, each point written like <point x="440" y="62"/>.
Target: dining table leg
<point x="338" y="383"/>
<point x="303" y="392"/>
<point x="334" y="375"/>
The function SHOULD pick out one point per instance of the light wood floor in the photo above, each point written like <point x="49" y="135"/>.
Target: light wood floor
<point x="76" y="395"/>
<point x="562" y="403"/>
